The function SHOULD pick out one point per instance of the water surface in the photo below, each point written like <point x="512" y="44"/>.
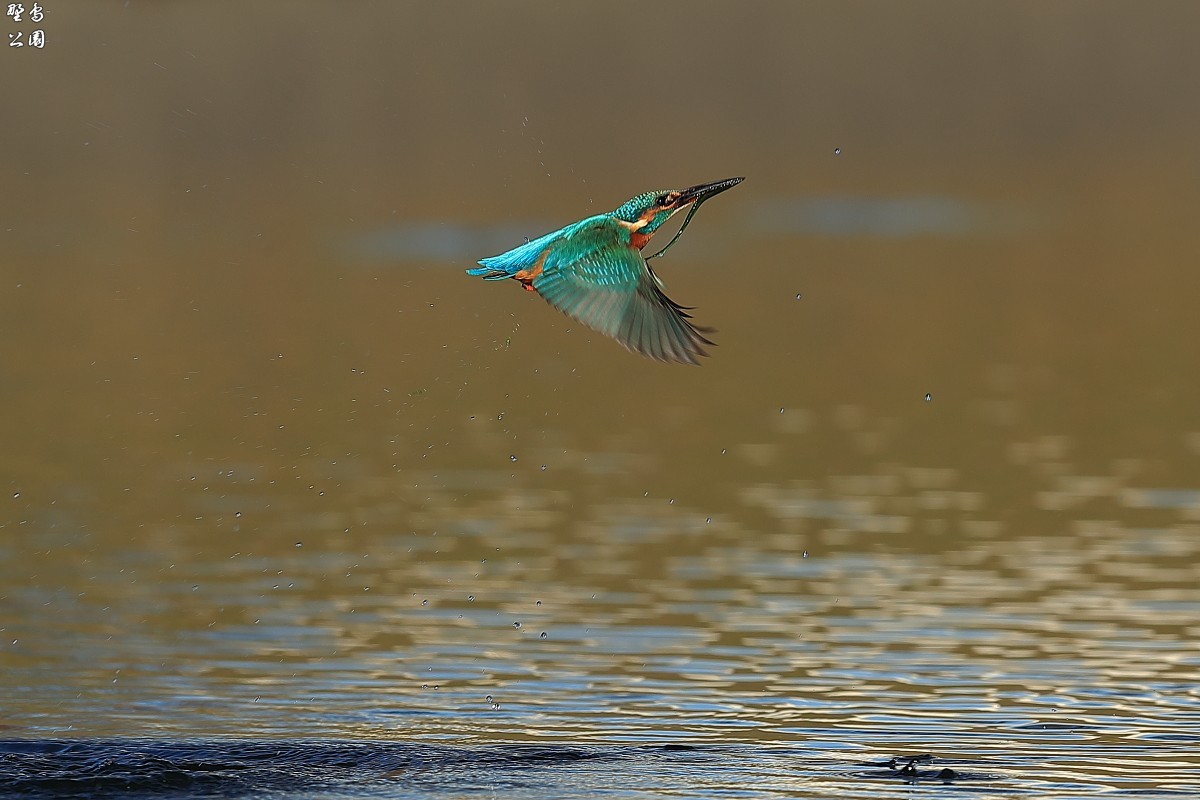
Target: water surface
<point x="292" y="505"/>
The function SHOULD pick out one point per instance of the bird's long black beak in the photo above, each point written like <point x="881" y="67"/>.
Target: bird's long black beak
<point x="705" y="190"/>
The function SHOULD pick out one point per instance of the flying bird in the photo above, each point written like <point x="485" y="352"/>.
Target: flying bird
<point x="594" y="272"/>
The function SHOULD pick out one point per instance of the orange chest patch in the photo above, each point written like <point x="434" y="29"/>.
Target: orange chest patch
<point x="638" y="239"/>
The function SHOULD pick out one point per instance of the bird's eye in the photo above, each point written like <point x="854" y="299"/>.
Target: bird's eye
<point x="666" y="200"/>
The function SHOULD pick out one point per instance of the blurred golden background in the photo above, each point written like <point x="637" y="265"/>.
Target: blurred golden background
<point x="245" y="378"/>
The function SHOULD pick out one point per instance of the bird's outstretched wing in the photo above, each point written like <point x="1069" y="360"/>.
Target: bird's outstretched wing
<point x="594" y="275"/>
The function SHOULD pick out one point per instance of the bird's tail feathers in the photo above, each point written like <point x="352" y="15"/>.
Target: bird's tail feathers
<point x="489" y="273"/>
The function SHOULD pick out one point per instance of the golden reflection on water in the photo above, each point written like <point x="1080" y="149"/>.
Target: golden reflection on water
<point x="273" y="464"/>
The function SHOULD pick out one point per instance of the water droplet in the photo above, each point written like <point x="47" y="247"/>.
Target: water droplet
<point x="500" y="416"/>
<point x="708" y="521"/>
<point x="516" y="624"/>
<point x="299" y="544"/>
<point x="526" y="239"/>
<point x="512" y="459"/>
<point x="16" y="495"/>
<point x="538" y="603"/>
<point x="543" y="467"/>
<point x="781" y="411"/>
<point x="928" y="397"/>
<point x="488" y="698"/>
<point x="424" y="602"/>
<point x="543" y="635"/>
<point x="805" y="554"/>
<point x="470" y="598"/>
<point x="798" y="295"/>
<point x="837" y="151"/>
<point x="237" y="514"/>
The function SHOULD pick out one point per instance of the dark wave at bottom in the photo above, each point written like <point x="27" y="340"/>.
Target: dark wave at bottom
<point x="128" y="768"/>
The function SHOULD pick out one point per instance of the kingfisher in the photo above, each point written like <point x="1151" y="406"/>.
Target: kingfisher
<point x="594" y="272"/>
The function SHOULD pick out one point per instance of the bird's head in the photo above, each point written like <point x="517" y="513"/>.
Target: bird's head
<point x="647" y="212"/>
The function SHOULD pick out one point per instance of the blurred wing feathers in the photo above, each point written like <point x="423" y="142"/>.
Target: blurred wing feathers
<point x="594" y="276"/>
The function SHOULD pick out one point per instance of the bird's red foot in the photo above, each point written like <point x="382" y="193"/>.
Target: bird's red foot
<point x="526" y="280"/>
